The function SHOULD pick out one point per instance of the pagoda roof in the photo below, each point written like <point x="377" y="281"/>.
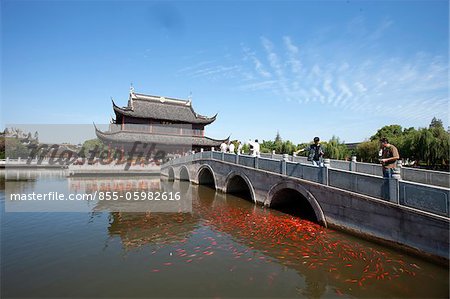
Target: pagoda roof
<point x="144" y="137"/>
<point x="162" y="108"/>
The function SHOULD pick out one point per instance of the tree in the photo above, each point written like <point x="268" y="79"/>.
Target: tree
<point x="288" y="147"/>
<point x="93" y="145"/>
<point x="389" y="132"/>
<point x="278" y="144"/>
<point x="436" y="123"/>
<point x="439" y="151"/>
<point x="423" y="141"/>
<point x="15" y="149"/>
<point x="267" y="146"/>
<point x="278" y="137"/>
<point x="367" y="151"/>
<point x="245" y="148"/>
<point x="2" y="147"/>
<point x="335" y="149"/>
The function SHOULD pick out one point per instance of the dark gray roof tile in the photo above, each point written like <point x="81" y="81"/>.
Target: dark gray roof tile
<point x="162" y="108"/>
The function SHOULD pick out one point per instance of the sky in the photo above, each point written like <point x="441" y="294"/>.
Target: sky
<point x="300" y="68"/>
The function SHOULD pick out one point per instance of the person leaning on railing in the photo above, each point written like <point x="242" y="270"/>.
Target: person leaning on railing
<point x="389" y="157"/>
<point x="315" y="152"/>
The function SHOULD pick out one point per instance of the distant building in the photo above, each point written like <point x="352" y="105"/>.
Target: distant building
<point x="170" y="124"/>
<point x="353" y="145"/>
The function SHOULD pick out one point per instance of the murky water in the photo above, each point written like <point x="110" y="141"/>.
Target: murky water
<point x="227" y="247"/>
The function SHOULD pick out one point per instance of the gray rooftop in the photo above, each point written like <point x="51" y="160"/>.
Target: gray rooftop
<point x="162" y="108"/>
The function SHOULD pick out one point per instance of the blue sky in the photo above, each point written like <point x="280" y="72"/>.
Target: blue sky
<point x="303" y="68"/>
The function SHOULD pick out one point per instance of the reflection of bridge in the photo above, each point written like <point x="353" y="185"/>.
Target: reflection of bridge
<point x="401" y="212"/>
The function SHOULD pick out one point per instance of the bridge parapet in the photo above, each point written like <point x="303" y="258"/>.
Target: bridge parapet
<point x="417" y="175"/>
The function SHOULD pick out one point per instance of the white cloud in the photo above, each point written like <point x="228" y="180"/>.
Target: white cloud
<point x="370" y="85"/>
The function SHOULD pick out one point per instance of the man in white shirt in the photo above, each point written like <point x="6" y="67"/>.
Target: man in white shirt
<point x="231" y="147"/>
<point x="239" y="149"/>
<point x="223" y="147"/>
<point x="254" y="148"/>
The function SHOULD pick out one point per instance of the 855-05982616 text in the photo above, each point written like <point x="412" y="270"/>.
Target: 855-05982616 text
<point x="139" y="195"/>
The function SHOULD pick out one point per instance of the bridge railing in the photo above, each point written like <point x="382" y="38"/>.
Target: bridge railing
<point x="424" y="197"/>
<point x="433" y="199"/>
<point x="359" y="183"/>
<point x="417" y="175"/>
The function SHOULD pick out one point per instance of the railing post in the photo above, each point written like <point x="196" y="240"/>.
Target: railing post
<point x="353" y="164"/>
<point x="283" y="163"/>
<point x="326" y="166"/>
<point x="222" y="156"/>
<point x="256" y="162"/>
<point x="273" y="153"/>
<point x="394" y="184"/>
<point x="201" y="150"/>
<point x="212" y="148"/>
<point x="400" y="168"/>
<point x="237" y="158"/>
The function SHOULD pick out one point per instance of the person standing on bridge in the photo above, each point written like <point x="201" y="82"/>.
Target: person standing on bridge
<point x="389" y="157"/>
<point x="231" y="147"/>
<point x="254" y="148"/>
<point x="239" y="148"/>
<point x="315" y="152"/>
<point x="223" y="147"/>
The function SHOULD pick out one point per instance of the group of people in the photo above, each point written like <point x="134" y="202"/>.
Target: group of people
<point x="388" y="154"/>
<point x="231" y="148"/>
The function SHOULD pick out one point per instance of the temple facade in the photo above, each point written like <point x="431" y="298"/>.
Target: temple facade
<point x="169" y="124"/>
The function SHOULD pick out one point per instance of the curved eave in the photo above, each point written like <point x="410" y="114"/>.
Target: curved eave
<point x="203" y="119"/>
<point x="120" y="110"/>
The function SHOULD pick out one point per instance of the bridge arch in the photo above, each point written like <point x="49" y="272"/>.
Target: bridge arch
<point x="206" y="176"/>
<point x="298" y="197"/>
<point x="171" y="174"/>
<point x="238" y="182"/>
<point x="184" y="173"/>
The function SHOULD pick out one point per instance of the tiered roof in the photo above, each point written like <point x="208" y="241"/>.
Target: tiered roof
<point x="162" y="108"/>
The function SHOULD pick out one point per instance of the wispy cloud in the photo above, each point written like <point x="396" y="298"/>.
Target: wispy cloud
<point x="410" y="86"/>
<point x="347" y="72"/>
<point x="260" y="69"/>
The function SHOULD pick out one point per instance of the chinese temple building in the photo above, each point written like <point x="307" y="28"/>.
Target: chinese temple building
<point x="169" y="124"/>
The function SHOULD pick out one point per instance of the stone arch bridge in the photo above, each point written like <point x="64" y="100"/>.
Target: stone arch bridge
<point x="410" y="215"/>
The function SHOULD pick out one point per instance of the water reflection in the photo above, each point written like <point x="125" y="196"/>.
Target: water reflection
<point x="138" y="229"/>
<point x="328" y="261"/>
<point x="229" y="246"/>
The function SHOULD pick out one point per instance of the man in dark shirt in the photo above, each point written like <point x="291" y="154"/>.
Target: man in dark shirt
<point x="315" y="152"/>
<point x="389" y="157"/>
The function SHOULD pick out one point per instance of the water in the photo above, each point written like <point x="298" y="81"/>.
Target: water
<point x="227" y="247"/>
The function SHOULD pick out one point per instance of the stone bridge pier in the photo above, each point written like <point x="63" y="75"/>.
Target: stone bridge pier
<point x="263" y="188"/>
